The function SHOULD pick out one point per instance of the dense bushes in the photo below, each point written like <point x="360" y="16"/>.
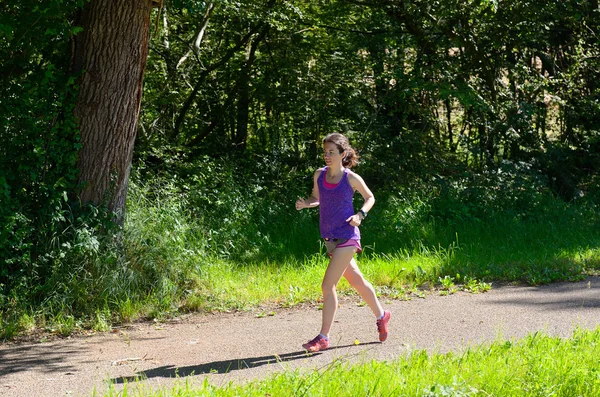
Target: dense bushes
<point x="39" y="144"/>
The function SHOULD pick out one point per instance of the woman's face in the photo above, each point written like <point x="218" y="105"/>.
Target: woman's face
<point x="331" y="153"/>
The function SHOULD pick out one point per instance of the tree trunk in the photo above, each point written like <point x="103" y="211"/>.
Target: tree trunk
<point x="243" y="105"/>
<point x="111" y="55"/>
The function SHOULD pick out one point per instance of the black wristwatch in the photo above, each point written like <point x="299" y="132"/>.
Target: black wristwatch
<point x="364" y="214"/>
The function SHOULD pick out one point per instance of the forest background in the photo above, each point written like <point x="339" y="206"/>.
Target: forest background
<point x="477" y="122"/>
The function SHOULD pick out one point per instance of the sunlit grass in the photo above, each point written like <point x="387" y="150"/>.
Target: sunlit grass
<point x="537" y="365"/>
<point x="225" y="285"/>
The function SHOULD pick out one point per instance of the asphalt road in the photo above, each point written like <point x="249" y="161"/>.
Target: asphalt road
<point x="241" y="346"/>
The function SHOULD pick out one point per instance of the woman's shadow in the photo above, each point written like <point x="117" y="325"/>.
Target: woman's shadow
<point x="221" y="367"/>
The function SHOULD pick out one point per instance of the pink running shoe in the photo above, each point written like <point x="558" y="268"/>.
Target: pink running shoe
<point x="319" y="343"/>
<point x="382" y="325"/>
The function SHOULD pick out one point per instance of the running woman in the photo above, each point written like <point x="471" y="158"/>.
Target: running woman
<point x="333" y="190"/>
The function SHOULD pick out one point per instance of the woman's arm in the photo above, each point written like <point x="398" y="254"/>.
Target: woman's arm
<point x="313" y="200"/>
<point x="359" y="185"/>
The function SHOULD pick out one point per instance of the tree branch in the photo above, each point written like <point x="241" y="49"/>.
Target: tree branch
<point x="199" y="36"/>
<point x="188" y="103"/>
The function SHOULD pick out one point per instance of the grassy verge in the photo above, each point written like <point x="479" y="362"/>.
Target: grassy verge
<point x="538" y="365"/>
<point x="180" y="253"/>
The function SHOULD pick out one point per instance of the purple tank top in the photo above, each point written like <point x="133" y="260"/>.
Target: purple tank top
<point x="335" y="205"/>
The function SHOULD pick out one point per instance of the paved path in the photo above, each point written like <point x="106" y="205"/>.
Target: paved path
<point x="239" y="347"/>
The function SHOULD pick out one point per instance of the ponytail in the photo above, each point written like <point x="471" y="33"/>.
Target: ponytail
<point x="351" y="158"/>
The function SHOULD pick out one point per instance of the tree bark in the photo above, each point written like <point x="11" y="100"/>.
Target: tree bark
<point x="243" y="105"/>
<point x="110" y="56"/>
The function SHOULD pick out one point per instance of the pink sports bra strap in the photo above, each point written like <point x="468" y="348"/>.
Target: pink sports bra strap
<point x="328" y="184"/>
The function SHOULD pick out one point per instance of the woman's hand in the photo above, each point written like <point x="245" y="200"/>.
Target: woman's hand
<point x="300" y="203"/>
<point x="354" y="220"/>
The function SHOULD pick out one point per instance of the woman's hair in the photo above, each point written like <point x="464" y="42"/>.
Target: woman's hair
<point x="342" y="143"/>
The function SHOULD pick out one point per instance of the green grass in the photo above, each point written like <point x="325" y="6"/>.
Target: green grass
<point x="538" y="365"/>
<point x="176" y="255"/>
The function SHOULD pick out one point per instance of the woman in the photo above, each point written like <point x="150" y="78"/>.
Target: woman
<point x="333" y="190"/>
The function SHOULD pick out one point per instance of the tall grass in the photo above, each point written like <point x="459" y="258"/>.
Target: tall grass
<point x="538" y="365"/>
<point x="218" y="239"/>
<point x="241" y="246"/>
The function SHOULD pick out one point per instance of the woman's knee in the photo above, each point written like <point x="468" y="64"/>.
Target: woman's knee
<point x="362" y="285"/>
<point x="354" y="277"/>
<point x="328" y="288"/>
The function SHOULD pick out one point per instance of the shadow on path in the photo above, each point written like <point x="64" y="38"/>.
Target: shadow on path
<point x="45" y="359"/>
<point x="48" y="358"/>
<point x="222" y="367"/>
<point x="555" y="296"/>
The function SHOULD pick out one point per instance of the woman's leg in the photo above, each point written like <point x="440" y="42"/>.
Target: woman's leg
<point x="340" y="260"/>
<point x="364" y="288"/>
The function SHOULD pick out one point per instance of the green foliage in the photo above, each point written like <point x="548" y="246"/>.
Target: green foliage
<point x="512" y="191"/>
<point x="470" y="121"/>
<point x="39" y="139"/>
<point x="572" y="172"/>
<point x="242" y="205"/>
<point x="418" y="87"/>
